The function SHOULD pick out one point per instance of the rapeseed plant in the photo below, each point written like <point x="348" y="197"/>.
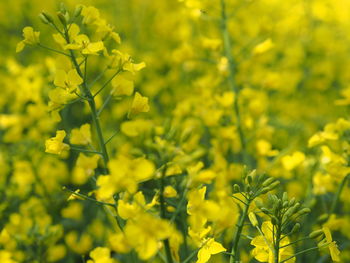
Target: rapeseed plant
<point x="197" y="154"/>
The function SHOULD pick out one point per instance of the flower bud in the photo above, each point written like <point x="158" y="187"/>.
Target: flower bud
<point x="47" y="17"/>
<point x="292" y="201"/>
<point x="268" y="181"/>
<point x="264" y="190"/>
<point x="43" y="19"/>
<point x="274" y="185"/>
<point x="236" y="188"/>
<point x="295" y="228"/>
<point x="304" y="211"/>
<point x="285" y="197"/>
<point x="315" y="234"/>
<point x="250" y="179"/>
<point x="259" y="178"/>
<point x="62" y="18"/>
<point x="63" y="8"/>
<point x="77" y="11"/>
<point x="322" y="218"/>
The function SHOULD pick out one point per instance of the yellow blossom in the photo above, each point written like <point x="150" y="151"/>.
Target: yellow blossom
<point x="101" y="255"/>
<point x="210" y="247"/>
<point x="82" y="135"/>
<point x="55" y="144"/>
<point x="139" y="104"/>
<point x="68" y="80"/>
<point x="30" y="38"/>
<point x="332" y="246"/>
<point x="263" y="250"/>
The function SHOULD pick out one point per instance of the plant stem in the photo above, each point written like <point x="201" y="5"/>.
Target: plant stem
<point x="277" y="243"/>
<point x="337" y="195"/>
<point x="169" y="258"/>
<point x="239" y="227"/>
<point x="231" y="76"/>
<point x="298" y="253"/>
<point x="92" y="104"/>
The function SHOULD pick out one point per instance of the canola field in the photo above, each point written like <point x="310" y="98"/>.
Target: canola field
<point x="175" y="131"/>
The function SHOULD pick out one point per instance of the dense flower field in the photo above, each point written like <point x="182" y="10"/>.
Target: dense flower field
<point x="175" y="131"/>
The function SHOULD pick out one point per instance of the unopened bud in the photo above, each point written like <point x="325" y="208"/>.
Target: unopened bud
<point x="285" y="197"/>
<point x="274" y="185"/>
<point x="250" y="179"/>
<point x="236" y="188"/>
<point x="304" y="211"/>
<point x="322" y="218"/>
<point x="47" y="17"/>
<point x="63" y="8"/>
<point x="292" y="201"/>
<point x="259" y="178"/>
<point x="268" y="181"/>
<point x="252" y="219"/>
<point x="295" y="228"/>
<point x="264" y="190"/>
<point x="77" y="11"/>
<point x="43" y="19"/>
<point x="62" y="18"/>
<point x="316" y="234"/>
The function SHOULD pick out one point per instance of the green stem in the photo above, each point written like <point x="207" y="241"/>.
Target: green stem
<point x="277" y="244"/>
<point x="299" y="253"/>
<point x="337" y="195"/>
<point x="84" y="150"/>
<point x="231" y="76"/>
<point x="53" y="50"/>
<point x="234" y="251"/>
<point x="169" y="258"/>
<point x="91" y="101"/>
<point x="296" y="241"/>
<point x="85" y="197"/>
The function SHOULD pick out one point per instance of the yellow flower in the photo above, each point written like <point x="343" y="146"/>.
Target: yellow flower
<point x="201" y="210"/>
<point x="90" y="14"/>
<point x="55" y="144"/>
<point x="30" y="38"/>
<point x="139" y="104"/>
<point x="68" y="81"/>
<point x="292" y="161"/>
<point x="93" y="48"/>
<point x="82" y="135"/>
<point x="169" y="192"/>
<point x="122" y="86"/>
<point x="101" y="255"/>
<point x="85" y="168"/>
<point x="80" y="244"/>
<point x="210" y="247"/>
<point x="263" y="246"/>
<point x="332" y="246"/>
<point x="59" y="97"/>
<point x="264" y="148"/>
<point x="79" y="42"/>
<point x="135" y="127"/>
<point x="263" y="47"/>
<point x="145" y="232"/>
<point x="125" y="174"/>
